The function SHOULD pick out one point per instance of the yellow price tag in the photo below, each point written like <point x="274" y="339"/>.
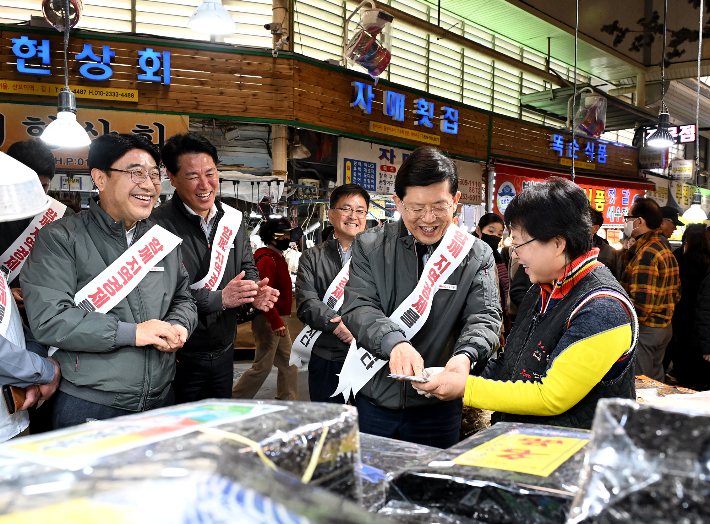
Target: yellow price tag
<point x="532" y="454"/>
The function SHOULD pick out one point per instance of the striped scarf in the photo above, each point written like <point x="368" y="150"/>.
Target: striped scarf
<point x="574" y="272"/>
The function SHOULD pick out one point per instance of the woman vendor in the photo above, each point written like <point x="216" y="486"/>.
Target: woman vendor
<point x="575" y="335"/>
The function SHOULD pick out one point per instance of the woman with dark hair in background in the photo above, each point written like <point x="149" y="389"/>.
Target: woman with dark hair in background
<point x="271" y="336"/>
<point x="490" y="229"/>
<point x="689" y="368"/>
<point x="574" y="340"/>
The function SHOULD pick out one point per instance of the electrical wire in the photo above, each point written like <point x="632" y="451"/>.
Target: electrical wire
<point x="574" y="94"/>
<point x="697" y="100"/>
<point x="663" y="57"/>
<point x="66" y="42"/>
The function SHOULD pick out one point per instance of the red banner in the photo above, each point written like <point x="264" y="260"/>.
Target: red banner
<point x="612" y="198"/>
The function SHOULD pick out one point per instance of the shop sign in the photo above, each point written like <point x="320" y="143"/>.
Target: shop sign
<point x="653" y="158"/>
<point x="682" y="134"/>
<point x="578" y="149"/>
<point x="14" y="87"/>
<point x="682" y="169"/>
<point x="153" y="66"/>
<point x="375" y="167"/>
<point x="613" y="201"/>
<point x="21" y="122"/>
<point x="403" y="132"/>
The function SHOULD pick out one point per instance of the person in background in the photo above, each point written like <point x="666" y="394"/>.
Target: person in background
<point x="490" y="229"/>
<point x="210" y="230"/>
<point x="574" y="339"/>
<point x="671" y="221"/>
<point x="689" y="368"/>
<point x="607" y="254"/>
<point x="271" y="335"/>
<point x="649" y="274"/>
<point x="462" y="330"/>
<point x="120" y="361"/>
<point x="700" y="342"/>
<point x="317" y="271"/>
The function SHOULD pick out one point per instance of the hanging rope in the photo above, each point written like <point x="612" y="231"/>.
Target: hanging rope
<point x="697" y="101"/>
<point x="574" y="95"/>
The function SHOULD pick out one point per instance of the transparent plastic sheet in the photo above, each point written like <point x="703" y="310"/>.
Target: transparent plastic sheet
<point x="485" y="494"/>
<point x="405" y="513"/>
<point x="193" y="488"/>
<point x="645" y="463"/>
<point x="591" y="115"/>
<point x="381" y="457"/>
<point x="315" y="443"/>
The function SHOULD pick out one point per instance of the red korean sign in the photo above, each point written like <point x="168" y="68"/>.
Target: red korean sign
<point x="612" y="198"/>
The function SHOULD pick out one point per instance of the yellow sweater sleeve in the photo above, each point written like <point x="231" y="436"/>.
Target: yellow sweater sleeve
<point x="571" y="377"/>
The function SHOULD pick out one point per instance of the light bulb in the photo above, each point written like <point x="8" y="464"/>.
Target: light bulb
<point x="212" y="18"/>
<point x="66" y="132"/>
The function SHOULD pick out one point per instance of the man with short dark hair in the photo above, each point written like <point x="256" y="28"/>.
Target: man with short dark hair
<point x="671" y="221"/>
<point x="422" y="293"/>
<point x="607" y="254"/>
<point x="36" y="155"/>
<point x="322" y="274"/>
<point x="107" y="287"/>
<point x="649" y="274"/>
<point x="218" y="258"/>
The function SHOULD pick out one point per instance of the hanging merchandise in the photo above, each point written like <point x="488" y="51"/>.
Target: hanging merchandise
<point x="370" y="45"/>
<point x="591" y="116"/>
<point x="54" y="12"/>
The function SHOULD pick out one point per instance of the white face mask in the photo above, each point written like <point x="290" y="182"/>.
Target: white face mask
<point x="629" y="228"/>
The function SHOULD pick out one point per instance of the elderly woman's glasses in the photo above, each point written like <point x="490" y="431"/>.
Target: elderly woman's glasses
<point x="514" y="248"/>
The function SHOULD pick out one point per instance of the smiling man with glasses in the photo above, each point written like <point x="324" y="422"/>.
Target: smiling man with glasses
<point x="218" y="257"/>
<point x="108" y="288"/>
<point x="422" y="294"/>
<point x="325" y="340"/>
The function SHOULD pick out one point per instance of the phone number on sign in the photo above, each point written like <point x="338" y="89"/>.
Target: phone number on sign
<point x="105" y="93"/>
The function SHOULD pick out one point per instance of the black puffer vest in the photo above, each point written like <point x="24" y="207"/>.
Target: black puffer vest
<point x="525" y="360"/>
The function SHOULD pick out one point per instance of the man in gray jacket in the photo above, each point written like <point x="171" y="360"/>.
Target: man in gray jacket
<point x="318" y="268"/>
<point x="464" y="323"/>
<point x="116" y="316"/>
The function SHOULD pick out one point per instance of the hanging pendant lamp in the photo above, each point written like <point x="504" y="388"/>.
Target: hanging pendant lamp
<point x="661" y="138"/>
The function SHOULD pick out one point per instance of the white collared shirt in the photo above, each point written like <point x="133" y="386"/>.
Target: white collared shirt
<point x="208" y="224"/>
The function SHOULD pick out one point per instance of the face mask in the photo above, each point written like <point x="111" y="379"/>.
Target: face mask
<point x="629" y="228"/>
<point x="282" y="244"/>
<point x="491" y="240"/>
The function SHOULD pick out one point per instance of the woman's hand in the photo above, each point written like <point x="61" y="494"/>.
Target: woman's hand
<point x="444" y="386"/>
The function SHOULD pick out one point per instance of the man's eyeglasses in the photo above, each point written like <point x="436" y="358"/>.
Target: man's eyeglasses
<point x="349" y="211"/>
<point x="514" y="248"/>
<point x="421" y="212"/>
<point x="139" y="175"/>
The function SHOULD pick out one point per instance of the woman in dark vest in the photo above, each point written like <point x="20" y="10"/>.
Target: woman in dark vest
<point x="574" y="338"/>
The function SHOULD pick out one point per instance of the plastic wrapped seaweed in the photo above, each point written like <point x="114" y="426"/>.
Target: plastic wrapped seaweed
<point x="197" y="488"/>
<point x="508" y="473"/>
<point x="381" y="457"/>
<point x="316" y="443"/>
<point x="646" y="463"/>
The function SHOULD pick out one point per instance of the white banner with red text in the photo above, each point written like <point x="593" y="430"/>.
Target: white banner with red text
<point x="227" y="230"/>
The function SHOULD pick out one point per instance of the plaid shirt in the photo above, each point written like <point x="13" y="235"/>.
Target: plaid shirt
<point x="649" y="275"/>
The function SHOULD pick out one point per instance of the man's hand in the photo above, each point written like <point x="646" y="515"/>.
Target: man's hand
<point x="280" y="332"/>
<point x="445" y="385"/>
<point x="48" y="390"/>
<point x="707" y="357"/>
<point x="31" y="397"/>
<point x="266" y="296"/>
<point x="17" y="293"/>
<point x="159" y="334"/>
<point x="181" y="333"/>
<point x="341" y="331"/>
<point x="459" y="364"/>
<point x="405" y="360"/>
<point x="239" y="292"/>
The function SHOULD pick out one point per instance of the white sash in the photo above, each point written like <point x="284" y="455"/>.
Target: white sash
<point x="303" y="343"/>
<point x="360" y="365"/>
<point x="115" y="282"/>
<point x="12" y="260"/>
<point x="227" y="230"/>
<point x="5" y="306"/>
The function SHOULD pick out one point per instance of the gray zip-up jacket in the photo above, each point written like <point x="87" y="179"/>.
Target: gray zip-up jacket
<point x="466" y="319"/>
<point x="317" y="268"/>
<point x="97" y="353"/>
